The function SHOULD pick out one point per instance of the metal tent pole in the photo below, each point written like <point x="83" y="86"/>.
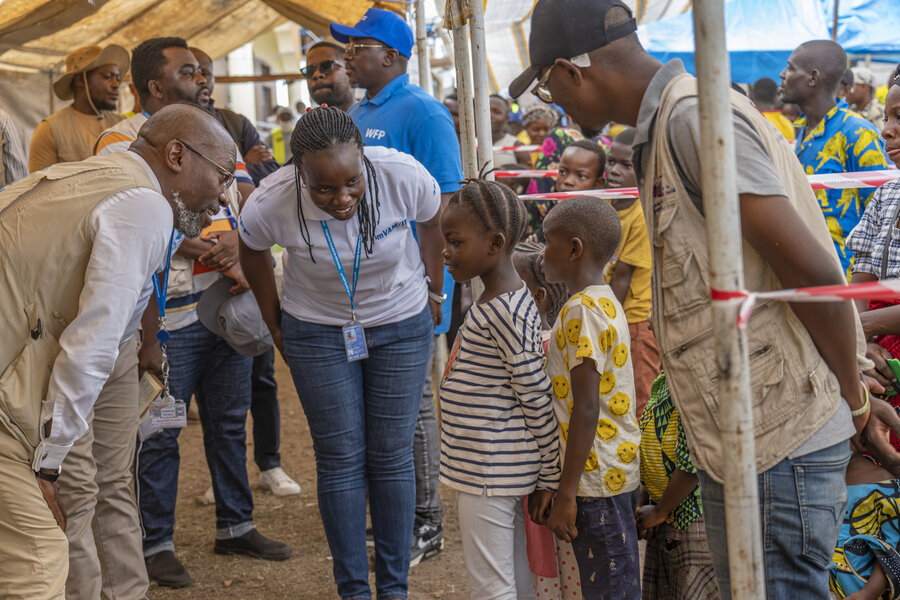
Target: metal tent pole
<point x="485" y="154"/>
<point x="723" y="233"/>
<point x="422" y="49"/>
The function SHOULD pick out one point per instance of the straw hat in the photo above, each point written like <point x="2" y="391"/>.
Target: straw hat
<point x="87" y="58"/>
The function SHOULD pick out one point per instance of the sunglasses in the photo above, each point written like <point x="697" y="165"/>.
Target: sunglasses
<point x="353" y="48"/>
<point x="229" y="176"/>
<point x="325" y="67"/>
<point x="541" y="90"/>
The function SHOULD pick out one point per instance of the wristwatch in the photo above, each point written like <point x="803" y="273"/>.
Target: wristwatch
<point x="439" y="298"/>
<point x="50" y="476"/>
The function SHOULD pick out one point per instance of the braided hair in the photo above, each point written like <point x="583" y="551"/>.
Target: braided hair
<point x="529" y="256"/>
<point x="496" y="206"/>
<point x="321" y="129"/>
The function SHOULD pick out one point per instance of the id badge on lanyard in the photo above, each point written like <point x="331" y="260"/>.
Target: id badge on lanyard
<point x="353" y="333"/>
<point x="165" y="412"/>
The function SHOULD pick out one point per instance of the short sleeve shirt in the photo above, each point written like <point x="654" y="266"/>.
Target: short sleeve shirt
<point x="634" y="250"/>
<point x="391" y="285"/>
<point x="404" y="117"/>
<point x="868" y="238"/>
<point x="842" y="142"/>
<point x="592" y="325"/>
<point x="664" y="448"/>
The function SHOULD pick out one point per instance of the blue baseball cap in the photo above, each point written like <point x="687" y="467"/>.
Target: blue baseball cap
<point x="383" y="25"/>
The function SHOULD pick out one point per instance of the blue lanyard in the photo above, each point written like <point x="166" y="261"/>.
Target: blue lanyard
<point x="340" y="267"/>
<point x="160" y="291"/>
<point x="231" y="219"/>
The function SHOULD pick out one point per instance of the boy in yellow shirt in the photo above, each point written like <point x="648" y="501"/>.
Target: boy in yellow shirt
<point x="589" y="365"/>
<point x="628" y="272"/>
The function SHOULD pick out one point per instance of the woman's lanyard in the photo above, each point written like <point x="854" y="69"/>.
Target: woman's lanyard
<point x="340" y="268"/>
<point x="353" y="333"/>
<point x="159" y="291"/>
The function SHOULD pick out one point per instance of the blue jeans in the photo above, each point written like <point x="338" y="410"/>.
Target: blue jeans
<point x="361" y="417"/>
<point x="801" y="505"/>
<point x="200" y="363"/>
<point x="427" y="454"/>
<point x="266" y="415"/>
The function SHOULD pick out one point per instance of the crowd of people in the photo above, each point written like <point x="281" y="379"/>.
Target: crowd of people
<point x="580" y="405"/>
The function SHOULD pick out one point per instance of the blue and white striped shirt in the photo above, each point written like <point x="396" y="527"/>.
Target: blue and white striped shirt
<point x="499" y="433"/>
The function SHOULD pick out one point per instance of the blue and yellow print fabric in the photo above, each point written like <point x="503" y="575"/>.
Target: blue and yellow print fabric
<point x="842" y="142"/>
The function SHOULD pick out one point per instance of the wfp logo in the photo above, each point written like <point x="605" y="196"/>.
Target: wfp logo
<point x="376" y="134"/>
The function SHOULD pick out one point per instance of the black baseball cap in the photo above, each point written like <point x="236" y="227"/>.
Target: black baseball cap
<point x="566" y="29"/>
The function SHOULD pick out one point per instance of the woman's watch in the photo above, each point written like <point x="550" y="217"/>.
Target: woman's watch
<point x="439" y="298"/>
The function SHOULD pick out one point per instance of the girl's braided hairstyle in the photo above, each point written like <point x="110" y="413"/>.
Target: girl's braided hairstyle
<point x="496" y="206"/>
<point x="557" y="293"/>
<point x="324" y="128"/>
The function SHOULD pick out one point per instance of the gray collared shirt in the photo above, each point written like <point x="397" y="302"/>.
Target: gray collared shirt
<point x="755" y="171"/>
<point x="755" y="175"/>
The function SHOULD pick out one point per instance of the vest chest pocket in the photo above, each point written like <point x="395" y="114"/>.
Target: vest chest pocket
<point x="684" y="288"/>
<point x="771" y="389"/>
<point x="23" y="385"/>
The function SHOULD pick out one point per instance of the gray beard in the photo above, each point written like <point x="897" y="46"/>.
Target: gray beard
<point x="189" y="222"/>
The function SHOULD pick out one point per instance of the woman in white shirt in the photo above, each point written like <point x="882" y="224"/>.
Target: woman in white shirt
<point x="361" y="298"/>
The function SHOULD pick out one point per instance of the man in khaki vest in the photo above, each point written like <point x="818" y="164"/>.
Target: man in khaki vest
<point x="805" y="358"/>
<point x="92" y="80"/>
<point x="78" y="243"/>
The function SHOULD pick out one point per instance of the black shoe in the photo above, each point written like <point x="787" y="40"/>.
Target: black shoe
<point x="253" y="543"/>
<point x="428" y="541"/>
<point x="166" y="570"/>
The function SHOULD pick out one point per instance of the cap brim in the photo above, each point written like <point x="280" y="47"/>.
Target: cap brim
<point x="111" y="55"/>
<point x="210" y="302"/>
<point x="521" y="83"/>
<point x="343" y="33"/>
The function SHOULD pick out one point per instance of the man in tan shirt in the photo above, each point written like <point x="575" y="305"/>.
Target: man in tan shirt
<point x="92" y="80"/>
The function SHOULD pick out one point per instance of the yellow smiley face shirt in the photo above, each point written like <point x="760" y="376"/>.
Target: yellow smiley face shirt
<point x="592" y="325"/>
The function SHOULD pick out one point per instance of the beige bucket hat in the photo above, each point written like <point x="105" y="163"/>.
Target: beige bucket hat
<point x="88" y="58"/>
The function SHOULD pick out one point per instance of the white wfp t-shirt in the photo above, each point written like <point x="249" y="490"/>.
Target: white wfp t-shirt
<point x="391" y="285"/>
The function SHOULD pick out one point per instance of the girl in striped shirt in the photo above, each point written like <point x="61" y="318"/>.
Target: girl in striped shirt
<point x="499" y="438"/>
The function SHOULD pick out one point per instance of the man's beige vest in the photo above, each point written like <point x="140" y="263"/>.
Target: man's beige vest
<point x="794" y="393"/>
<point x="71" y="143"/>
<point x="45" y="245"/>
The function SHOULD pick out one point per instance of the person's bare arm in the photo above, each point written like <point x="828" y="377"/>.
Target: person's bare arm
<point x="621" y="280"/>
<point x="582" y="429"/>
<point x="193" y="248"/>
<point x="431" y="244"/>
<point x="876" y="584"/>
<point x="245" y="188"/>
<point x="681" y="485"/>
<point x="260" y="274"/>
<point x="800" y="260"/>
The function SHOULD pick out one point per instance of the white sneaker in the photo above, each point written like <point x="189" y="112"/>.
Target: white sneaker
<point x="277" y="481"/>
<point x="207" y="499"/>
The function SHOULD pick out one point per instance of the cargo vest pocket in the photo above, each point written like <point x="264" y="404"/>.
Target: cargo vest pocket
<point x="23" y="385"/>
<point x="684" y="289"/>
<point x="768" y="386"/>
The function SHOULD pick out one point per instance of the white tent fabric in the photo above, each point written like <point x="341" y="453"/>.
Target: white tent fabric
<point x="508" y="25"/>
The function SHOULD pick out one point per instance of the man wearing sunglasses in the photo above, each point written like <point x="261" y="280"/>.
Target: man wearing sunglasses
<point x="326" y="76"/>
<point x="399" y="115"/>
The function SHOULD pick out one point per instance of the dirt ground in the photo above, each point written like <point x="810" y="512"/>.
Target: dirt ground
<point x="294" y="520"/>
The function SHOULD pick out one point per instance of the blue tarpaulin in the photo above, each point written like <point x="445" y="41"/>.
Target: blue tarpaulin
<point x="866" y="26"/>
<point x="760" y="35"/>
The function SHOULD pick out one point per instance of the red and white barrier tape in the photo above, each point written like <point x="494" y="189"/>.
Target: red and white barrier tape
<point x="873" y="290"/>
<point x="828" y="181"/>
<point x="523" y="148"/>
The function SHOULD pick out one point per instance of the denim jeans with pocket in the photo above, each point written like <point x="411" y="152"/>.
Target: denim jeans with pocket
<point x="361" y="418"/>
<point x="801" y="503"/>
<point x="201" y="363"/>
